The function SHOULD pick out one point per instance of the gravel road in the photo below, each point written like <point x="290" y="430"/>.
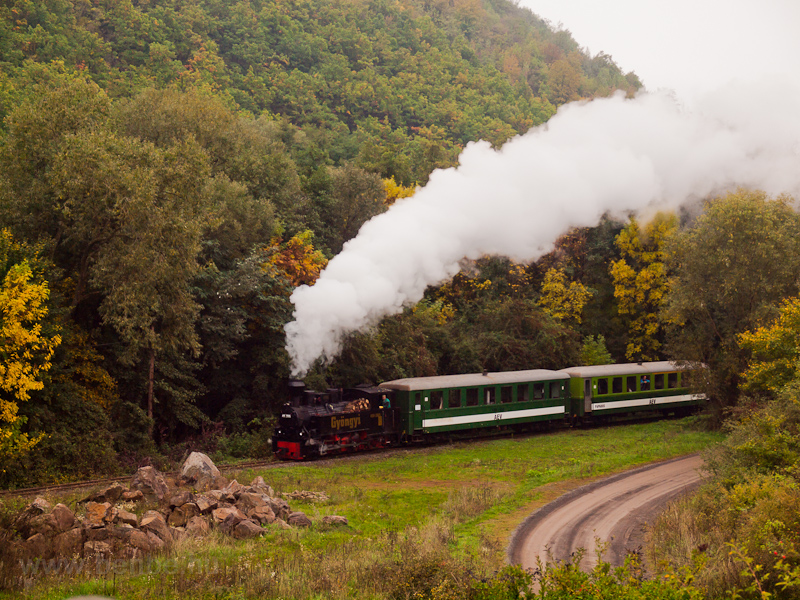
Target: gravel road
<point x="615" y="510"/>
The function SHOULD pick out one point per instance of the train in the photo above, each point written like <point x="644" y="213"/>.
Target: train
<point x="419" y="410"/>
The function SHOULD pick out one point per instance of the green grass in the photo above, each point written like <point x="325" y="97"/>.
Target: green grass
<point x="436" y="512"/>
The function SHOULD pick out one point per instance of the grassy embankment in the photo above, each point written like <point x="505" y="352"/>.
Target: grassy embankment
<point x="420" y="522"/>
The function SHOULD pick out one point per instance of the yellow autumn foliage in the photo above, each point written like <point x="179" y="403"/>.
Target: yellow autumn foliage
<point x="775" y="350"/>
<point x="395" y="191"/>
<point x="562" y="299"/>
<point x="25" y="353"/>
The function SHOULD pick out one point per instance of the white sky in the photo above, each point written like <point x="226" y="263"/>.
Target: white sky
<point x="689" y="46"/>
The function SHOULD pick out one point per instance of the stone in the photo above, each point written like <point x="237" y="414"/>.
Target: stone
<point x="140" y="540"/>
<point x="234" y="488"/>
<point x="299" y="519"/>
<point x="64" y="517"/>
<point x="260" y="486"/>
<point x="219" y="482"/>
<point x="262" y="514"/>
<point x="248" y="502"/>
<point x="181" y="498"/>
<point x="221" y="514"/>
<point x="199" y="470"/>
<point x="96" y="534"/>
<point x="97" y="513"/>
<point x="133" y="496"/>
<point x="206" y="503"/>
<point x="151" y="483"/>
<point x="230" y="523"/>
<point x="181" y="515"/>
<point x="280" y="507"/>
<point x="154" y="522"/>
<point x="97" y="549"/>
<point x="34" y="509"/>
<point x="281" y="524"/>
<point x="197" y="526"/>
<point x="156" y="543"/>
<point x="247" y="529"/>
<point x="38" y="546"/>
<point x="334" y="520"/>
<point x="45" y="524"/>
<point x="128" y="518"/>
<point x="68" y="543"/>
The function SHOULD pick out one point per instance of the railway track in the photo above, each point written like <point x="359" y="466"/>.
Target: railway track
<point x="272" y="464"/>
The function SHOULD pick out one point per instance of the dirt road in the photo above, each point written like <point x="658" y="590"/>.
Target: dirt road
<point x="614" y="510"/>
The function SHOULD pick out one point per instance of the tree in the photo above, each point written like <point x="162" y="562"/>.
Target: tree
<point x="731" y="269"/>
<point x="774" y="350"/>
<point x="640" y="282"/>
<point x="594" y="351"/>
<point x="561" y="301"/>
<point x="25" y="348"/>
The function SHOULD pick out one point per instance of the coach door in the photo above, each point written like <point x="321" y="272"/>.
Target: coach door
<point x="587" y="395"/>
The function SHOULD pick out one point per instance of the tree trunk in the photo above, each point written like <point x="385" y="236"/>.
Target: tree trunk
<point x="150" y="379"/>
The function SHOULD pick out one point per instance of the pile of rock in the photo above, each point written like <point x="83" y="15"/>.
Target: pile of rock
<point x="199" y="501"/>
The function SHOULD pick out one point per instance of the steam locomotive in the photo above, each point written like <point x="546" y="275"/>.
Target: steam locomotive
<point x="430" y="409"/>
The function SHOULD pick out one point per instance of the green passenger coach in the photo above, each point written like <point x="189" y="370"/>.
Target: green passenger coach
<point x="603" y="390"/>
<point x="444" y="404"/>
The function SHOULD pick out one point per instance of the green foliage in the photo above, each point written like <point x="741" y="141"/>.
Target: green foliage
<point x="727" y="280"/>
<point x="594" y="351"/>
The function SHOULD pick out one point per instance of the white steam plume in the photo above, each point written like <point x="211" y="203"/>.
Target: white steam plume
<point x="609" y="155"/>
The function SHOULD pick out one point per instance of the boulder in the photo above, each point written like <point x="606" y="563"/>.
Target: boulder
<point x="140" y="540"/>
<point x="151" y="483"/>
<point x="197" y="526"/>
<point x="220" y="515"/>
<point x="156" y="543"/>
<point x="128" y="518"/>
<point x="220" y="481"/>
<point x="206" y="503"/>
<point x="299" y="519"/>
<point x="262" y="515"/>
<point x="22" y="523"/>
<point x="260" y="486"/>
<point x="280" y="507"/>
<point x="154" y="522"/>
<point x="334" y="520"/>
<point x="181" y="498"/>
<point x="96" y="534"/>
<point x="247" y="529"/>
<point x="132" y="496"/>
<point x="45" y="524"/>
<point x="233" y="489"/>
<point x="97" y="513"/>
<point x="199" y="470"/>
<point x="230" y="523"/>
<point x="181" y="515"/>
<point x="248" y="501"/>
<point x="281" y="524"/>
<point x="110" y="494"/>
<point x="97" y="549"/>
<point x="64" y="517"/>
<point x="38" y="546"/>
<point x="68" y="543"/>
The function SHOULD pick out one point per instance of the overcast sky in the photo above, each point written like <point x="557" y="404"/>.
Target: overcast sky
<point x="689" y="46"/>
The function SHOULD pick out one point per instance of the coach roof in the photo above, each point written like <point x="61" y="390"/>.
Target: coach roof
<point x="440" y="382"/>
<point x="663" y="366"/>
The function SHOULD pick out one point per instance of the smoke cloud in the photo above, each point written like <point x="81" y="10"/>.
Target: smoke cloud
<point x="611" y="155"/>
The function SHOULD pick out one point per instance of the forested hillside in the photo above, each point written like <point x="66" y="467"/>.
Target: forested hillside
<point x="171" y="171"/>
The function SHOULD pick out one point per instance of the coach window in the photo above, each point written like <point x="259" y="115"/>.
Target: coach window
<point x="658" y="381"/>
<point x="672" y="380"/>
<point x="436" y="399"/>
<point x="630" y="383"/>
<point x="644" y="383"/>
<point x="616" y="385"/>
<point x="489" y="394"/>
<point x="538" y="391"/>
<point x="555" y="389"/>
<point x="417" y="399"/>
<point x="472" y="397"/>
<point x="602" y="386"/>
<point x="505" y="394"/>
<point x="454" y="399"/>
<point x="522" y="393"/>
